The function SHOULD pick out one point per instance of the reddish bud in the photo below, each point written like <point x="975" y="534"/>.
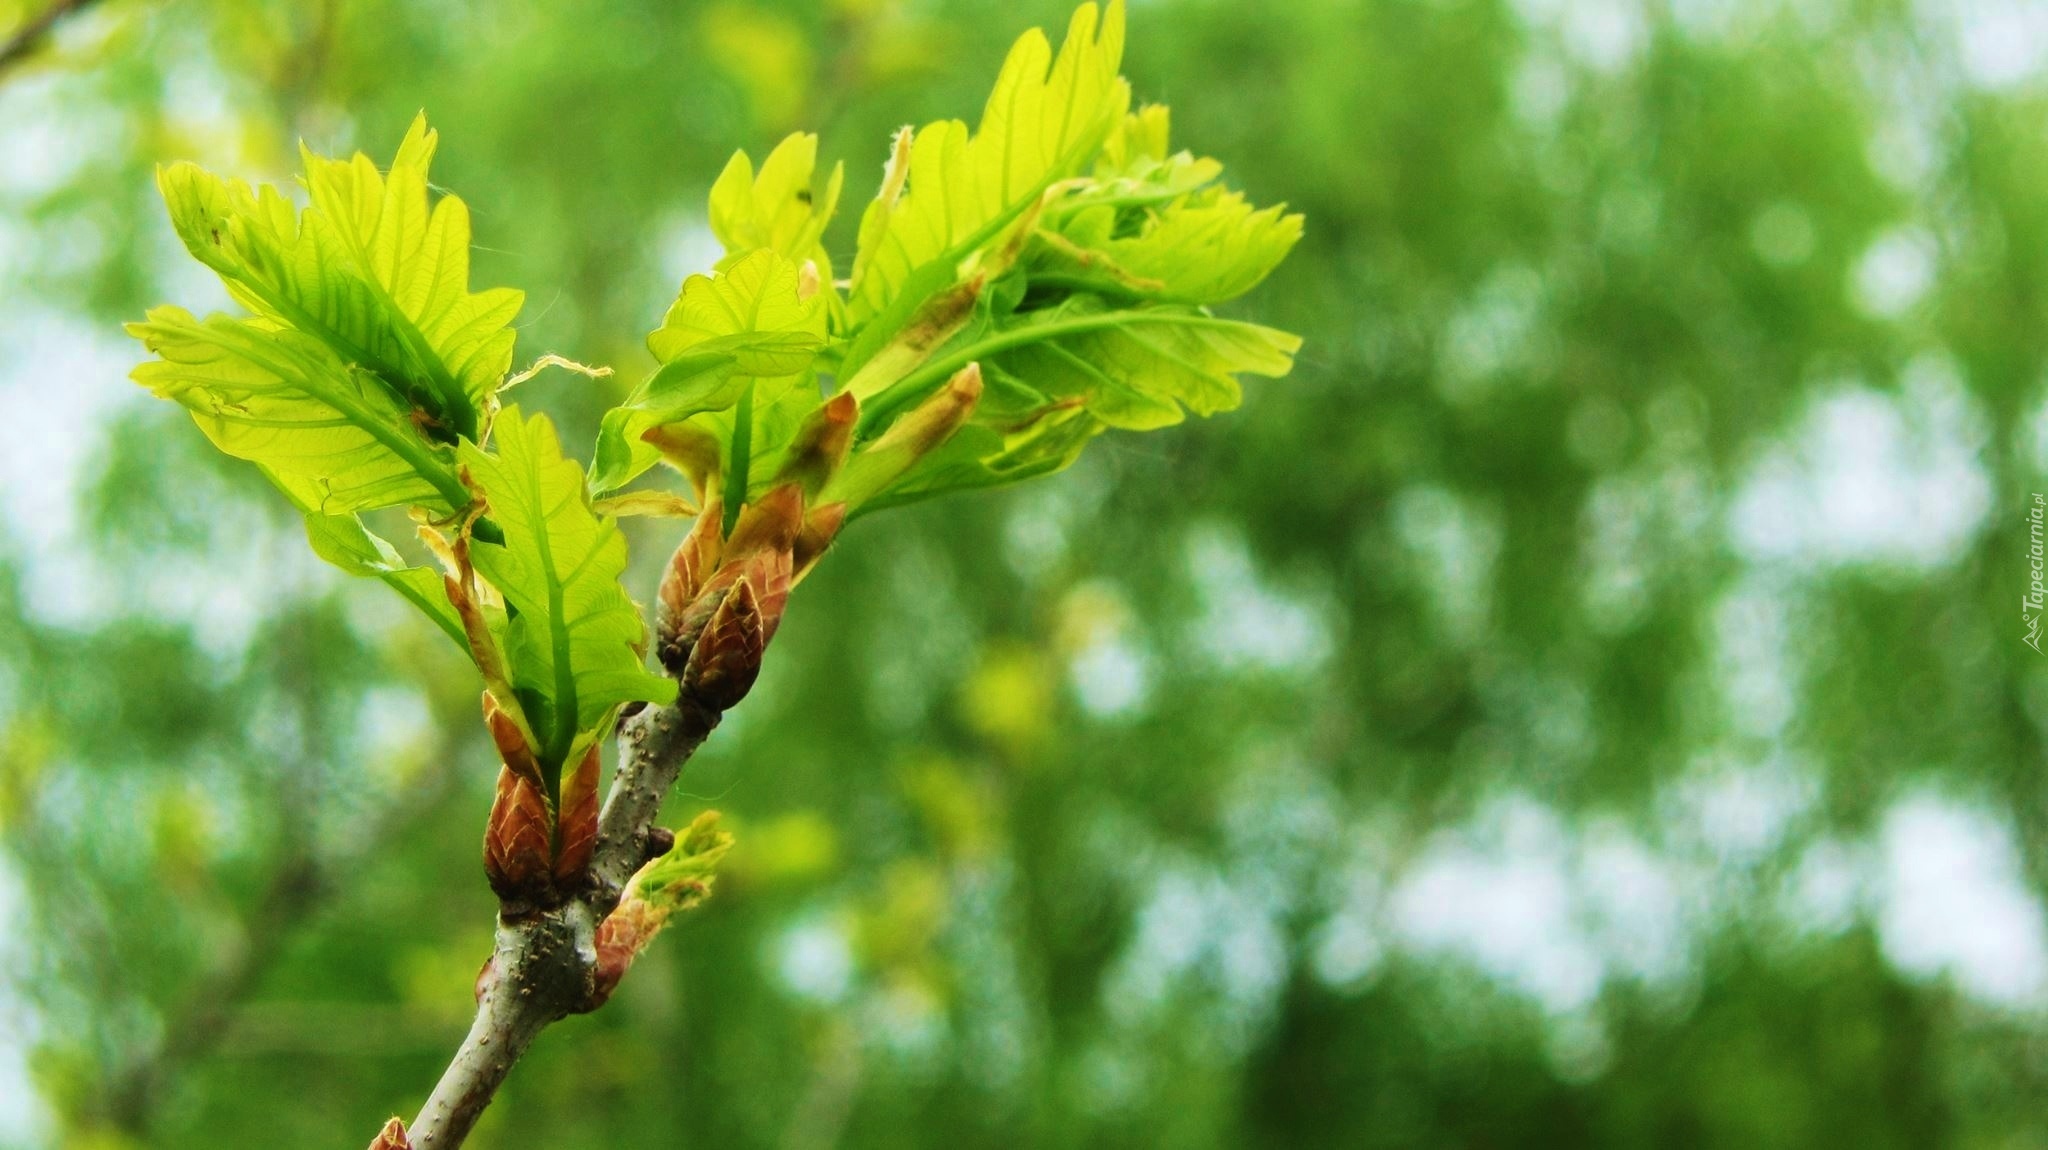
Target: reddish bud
<point x="514" y="749"/>
<point x="576" y="825"/>
<point x="726" y="658"/>
<point x="758" y="552"/>
<point x="689" y="569"/>
<point x="516" y="840"/>
<point x="770" y="523"/>
<point x="620" y="939"/>
<point x="821" y="443"/>
<point x="821" y="527"/>
<point x="392" y="1137"/>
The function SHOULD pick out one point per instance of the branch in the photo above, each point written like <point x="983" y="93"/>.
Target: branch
<point x="30" y="36"/>
<point x="719" y="603"/>
<point x="543" y="967"/>
<point x="653" y="746"/>
<point x="540" y="972"/>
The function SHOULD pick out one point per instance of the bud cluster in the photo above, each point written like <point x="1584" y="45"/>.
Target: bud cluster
<point x="723" y="595"/>
<point x="537" y="848"/>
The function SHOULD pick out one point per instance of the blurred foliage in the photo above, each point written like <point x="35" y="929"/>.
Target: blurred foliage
<point x="1523" y="726"/>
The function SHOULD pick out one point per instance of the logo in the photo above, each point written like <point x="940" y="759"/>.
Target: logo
<point x="2037" y="559"/>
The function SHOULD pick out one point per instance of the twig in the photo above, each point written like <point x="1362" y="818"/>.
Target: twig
<point x="544" y="964"/>
<point x="29" y="36"/>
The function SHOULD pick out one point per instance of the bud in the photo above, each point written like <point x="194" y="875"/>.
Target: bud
<point x="821" y="443"/>
<point x="760" y="545"/>
<point x="683" y="583"/>
<point x="937" y="320"/>
<point x="758" y="553"/>
<point x="392" y="1137"/>
<point x="913" y="436"/>
<point x="515" y="746"/>
<point x="576" y="824"/>
<point x="770" y="523"/>
<point x="726" y="658"/>
<point x="689" y="449"/>
<point x="516" y="841"/>
<point x="820" y="528"/>
<point x="660" y="840"/>
<point x="678" y="881"/>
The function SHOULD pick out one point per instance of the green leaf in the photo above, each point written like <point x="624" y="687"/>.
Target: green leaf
<point x="329" y="434"/>
<point x="574" y="638"/>
<point x="723" y="333"/>
<point x="1151" y="226"/>
<point x="777" y="208"/>
<point x="1135" y="368"/>
<point x="368" y="268"/>
<point x="343" y="541"/>
<point x="1201" y="249"/>
<point x="1138" y="369"/>
<point x="983" y="455"/>
<point x="954" y="193"/>
<point x="757" y="296"/>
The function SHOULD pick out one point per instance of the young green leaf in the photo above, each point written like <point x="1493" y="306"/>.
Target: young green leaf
<point x="343" y="541"/>
<point x="777" y="208"/>
<point x="1152" y="226"/>
<point x="954" y="193"/>
<point x="1204" y="248"/>
<point x="1138" y="369"/>
<point x="1134" y="369"/>
<point x="334" y="438"/>
<point x="725" y="331"/>
<point x="574" y="639"/>
<point x="756" y="307"/>
<point x="368" y="268"/>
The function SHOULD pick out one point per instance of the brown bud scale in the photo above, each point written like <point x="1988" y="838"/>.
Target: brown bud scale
<point x="576" y="825"/>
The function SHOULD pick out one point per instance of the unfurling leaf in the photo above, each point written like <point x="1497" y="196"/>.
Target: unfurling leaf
<point x="572" y="639"/>
<point x="366" y="359"/>
<point x="1044" y="122"/>
<point x="369" y="269"/>
<point x="332" y="436"/>
<point x="677" y="881"/>
<point x="392" y="1137"/>
<point x="681" y="879"/>
<point x="777" y="208"/>
<point x="748" y="326"/>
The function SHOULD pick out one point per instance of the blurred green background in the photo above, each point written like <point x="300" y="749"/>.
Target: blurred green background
<point x="1585" y="705"/>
